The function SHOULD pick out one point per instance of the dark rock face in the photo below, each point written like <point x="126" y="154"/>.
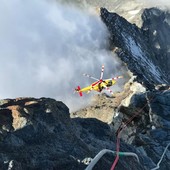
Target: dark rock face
<point x="39" y="134"/>
<point x="156" y="24"/>
<point x="35" y="135"/>
<point x="146" y="52"/>
<point x="135" y="49"/>
<point x="149" y="130"/>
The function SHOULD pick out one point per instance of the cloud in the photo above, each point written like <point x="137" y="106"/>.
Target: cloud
<point x="157" y="3"/>
<point x="46" y="47"/>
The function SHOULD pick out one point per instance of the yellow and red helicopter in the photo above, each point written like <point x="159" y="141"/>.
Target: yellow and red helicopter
<point x="99" y="84"/>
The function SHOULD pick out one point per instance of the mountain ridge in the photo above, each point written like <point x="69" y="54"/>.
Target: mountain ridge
<point x="42" y="134"/>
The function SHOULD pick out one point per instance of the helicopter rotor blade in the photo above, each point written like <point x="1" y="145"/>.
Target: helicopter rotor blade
<point x="108" y="89"/>
<point x="89" y="76"/>
<point x="101" y="75"/>
<point x="118" y="77"/>
<point x="115" y="78"/>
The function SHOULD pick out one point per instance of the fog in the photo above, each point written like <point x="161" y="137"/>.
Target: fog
<point x="45" y="47"/>
<point x="156" y="3"/>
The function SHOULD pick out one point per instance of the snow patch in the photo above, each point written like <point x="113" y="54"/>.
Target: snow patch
<point x="134" y="12"/>
<point x="157" y="45"/>
<point x="140" y="56"/>
<point x="154" y="32"/>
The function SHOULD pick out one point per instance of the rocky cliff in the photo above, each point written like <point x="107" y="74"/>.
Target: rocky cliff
<point x="147" y="132"/>
<point x="42" y="134"/>
<point x="39" y="134"/>
<point x="134" y="46"/>
<point x="145" y="51"/>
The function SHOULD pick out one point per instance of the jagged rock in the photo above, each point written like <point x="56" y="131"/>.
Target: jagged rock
<point x="156" y="24"/>
<point x="135" y="88"/>
<point x="140" y="50"/>
<point x="134" y="50"/>
<point x="161" y="104"/>
<point x="37" y="135"/>
<point x="149" y="129"/>
<point x="50" y="139"/>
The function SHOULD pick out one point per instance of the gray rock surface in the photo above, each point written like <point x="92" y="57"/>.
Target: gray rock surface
<point x="40" y="142"/>
<point x="148" y="131"/>
<point x="156" y="24"/>
<point x="134" y="49"/>
<point x="49" y="139"/>
<point x="145" y="51"/>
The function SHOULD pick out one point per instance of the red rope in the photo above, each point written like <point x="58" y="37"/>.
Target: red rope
<point x="117" y="151"/>
<point x="121" y="128"/>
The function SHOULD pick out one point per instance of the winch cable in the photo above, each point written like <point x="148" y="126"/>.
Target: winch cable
<point x="121" y="128"/>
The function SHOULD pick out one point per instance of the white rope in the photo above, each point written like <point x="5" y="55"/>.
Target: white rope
<point x="157" y="167"/>
<point x="102" y="152"/>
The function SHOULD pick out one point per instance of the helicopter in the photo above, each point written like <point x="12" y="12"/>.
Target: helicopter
<point x="99" y="84"/>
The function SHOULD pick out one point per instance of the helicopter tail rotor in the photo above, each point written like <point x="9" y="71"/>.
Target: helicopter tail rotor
<point x="78" y="90"/>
